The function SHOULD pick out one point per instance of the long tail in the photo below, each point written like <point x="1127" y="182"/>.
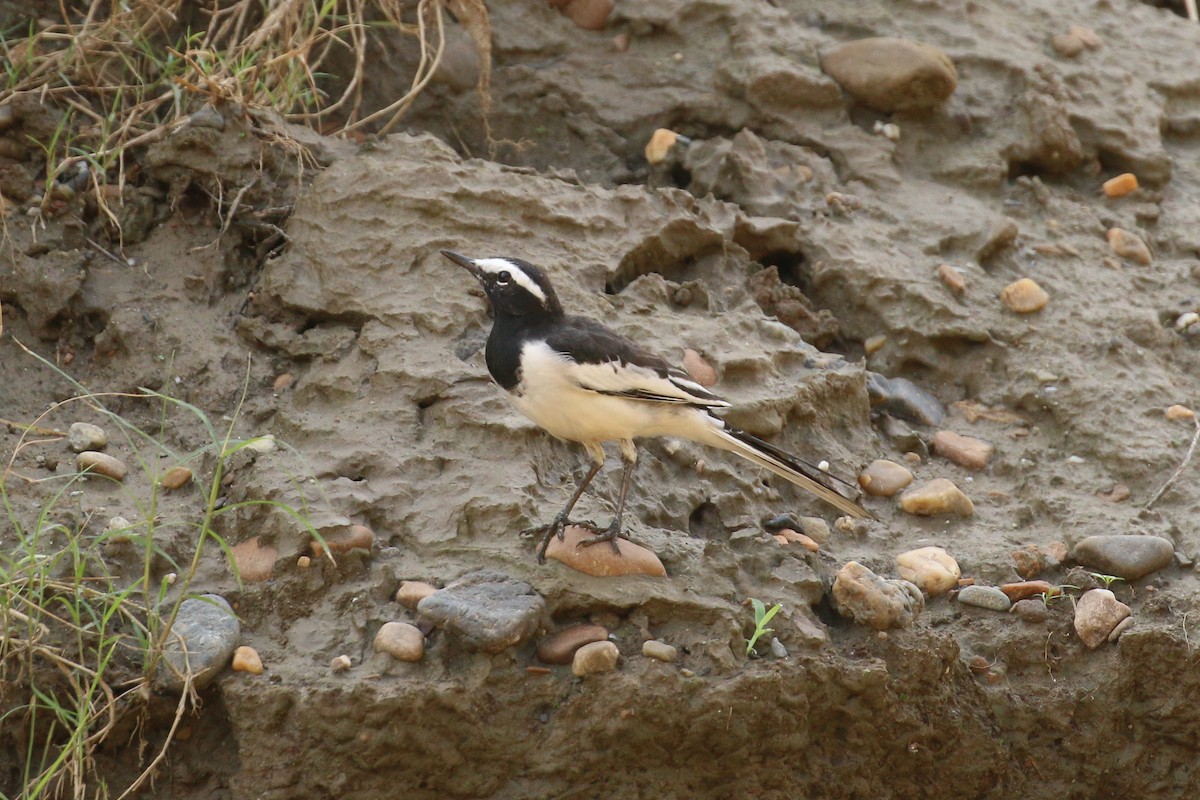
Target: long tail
<point x="783" y="464"/>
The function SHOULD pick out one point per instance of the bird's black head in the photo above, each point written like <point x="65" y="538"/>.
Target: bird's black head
<point x="513" y="287"/>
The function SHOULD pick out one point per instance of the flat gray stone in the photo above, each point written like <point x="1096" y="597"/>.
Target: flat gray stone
<point x="984" y="597"/>
<point x="486" y="610"/>
<point x="201" y="643"/>
<point x="1126" y="556"/>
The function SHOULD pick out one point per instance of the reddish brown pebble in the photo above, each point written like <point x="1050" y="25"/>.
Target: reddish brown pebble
<point x="176" y="478"/>
<point x="1029" y="561"/>
<point x="937" y="497"/>
<point x="560" y="648"/>
<point x="599" y="560"/>
<point x="953" y="279"/>
<point x="1026" y="589"/>
<point x="1177" y="413"/>
<point x="539" y="671"/>
<point x="1129" y="245"/>
<point x="966" y="451"/>
<point x="252" y="560"/>
<point x="345" y="539"/>
<point x="283" y="381"/>
<point x="591" y="15"/>
<point x="700" y="370"/>
<point x="1121" y="185"/>
<point x="883" y="478"/>
<point x="1024" y="296"/>
<point x="101" y="464"/>
<point x="412" y="592"/>
<point x="245" y="659"/>
<point x="978" y="664"/>
<point x="790" y="536"/>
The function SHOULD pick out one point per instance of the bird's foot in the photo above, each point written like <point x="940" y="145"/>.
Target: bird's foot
<point x="611" y="535"/>
<point x="554" y="527"/>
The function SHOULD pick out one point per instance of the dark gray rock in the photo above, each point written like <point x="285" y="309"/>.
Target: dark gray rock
<point x="903" y="398"/>
<point x="486" y="610"/>
<point x="1128" y="557"/>
<point x="201" y="643"/>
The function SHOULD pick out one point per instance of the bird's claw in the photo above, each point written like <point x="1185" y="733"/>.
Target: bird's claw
<point x="556" y="526"/>
<point x="611" y="535"/>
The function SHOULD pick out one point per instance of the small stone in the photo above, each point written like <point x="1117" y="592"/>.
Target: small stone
<point x="411" y="593"/>
<point x="401" y="641"/>
<point x="1067" y="45"/>
<point x="843" y="204"/>
<point x="1187" y="323"/>
<point x="590" y="15"/>
<point x="1129" y="557"/>
<point x="883" y="478"/>
<point x="620" y="42"/>
<point x="778" y="650"/>
<point x="1025" y="589"/>
<point x="661" y="142"/>
<point x="86" y="436"/>
<point x="870" y="600"/>
<point x="912" y="458"/>
<point x="207" y="117"/>
<point x="1031" y="610"/>
<point x="595" y="658"/>
<point x="891" y="74"/>
<point x="966" y="451"/>
<point x="262" y="444"/>
<point x="599" y="560"/>
<point x="245" y="659"/>
<point x="809" y="631"/>
<point x="1116" y="493"/>
<point x="931" y="569"/>
<point x="1030" y="561"/>
<point x="873" y="344"/>
<point x="560" y="648"/>
<point x="200" y="644"/>
<point x="343" y="540"/>
<point x="1122" y="626"/>
<point x="1176" y="413"/>
<point x="117" y="531"/>
<point x="1087" y="36"/>
<point x="1123" y="184"/>
<point x="815" y="528"/>
<point x="936" y="497"/>
<point x="790" y="536"/>
<point x="101" y="464"/>
<point x="1096" y="616"/>
<point x="700" y="370"/>
<point x="984" y="597"/>
<point x="486" y="610"/>
<point x="282" y="381"/>
<point x="303" y="562"/>
<point x="1024" y="296"/>
<point x="953" y="278"/>
<point x="1129" y="245"/>
<point x="903" y="398"/>
<point x="176" y="478"/>
<point x="252" y="560"/>
<point x="659" y="650"/>
<point x="340" y="663"/>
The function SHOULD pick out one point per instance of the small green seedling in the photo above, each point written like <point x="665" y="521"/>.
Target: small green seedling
<point x="1108" y="580"/>
<point x="762" y="615"/>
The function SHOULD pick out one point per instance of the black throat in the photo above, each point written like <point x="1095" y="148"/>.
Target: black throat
<point x="509" y="334"/>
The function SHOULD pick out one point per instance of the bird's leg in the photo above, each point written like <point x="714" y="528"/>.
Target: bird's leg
<point x="613" y="531"/>
<point x="563" y="518"/>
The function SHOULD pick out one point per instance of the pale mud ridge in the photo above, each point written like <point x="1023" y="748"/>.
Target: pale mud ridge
<point x="393" y="418"/>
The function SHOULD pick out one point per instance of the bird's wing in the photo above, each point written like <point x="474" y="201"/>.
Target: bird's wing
<point x="608" y="363"/>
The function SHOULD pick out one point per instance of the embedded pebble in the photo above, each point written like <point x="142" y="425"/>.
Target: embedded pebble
<point x="1067" y="45"/>
<point x="201" y="643"/>
<point x="953" y="278"/>
<point x="117" y="531"/>
<point x="86" y="436"/>
<point x="788" y="536"/>
<point x="1129" y="245"/>
<point x="931" y="569"/>
<point x="883" y="478"/>
<point x="303" y="562"/>
<point x="560" y="647"/>
<point x="1097" y="614"/>
<point x="843" y="204"/>
<point x="340" y="663"/>
<point x="984" y="597"/>
<point x="892" y="74"/>
<point x="1087" y="36"/>
<point x="1176" y="413"/>
<point x="966" y="451"/>
<point x="412" y="592"/>
<point x="1129" y="557"/>
<point x="1022" y="590"/>
<point x="872" y="344"/>
<point x="938" y="496"/>
<point x="905" y="399"/>
<point x="815" y="528"/>
<point x="777" y="648"/>
<point x="1121" y="185"/>
<point x="698" y="368"/>
<point x="486" y="610"/>
<point x="262" y="444"/>
<point x="343" y="540"/>
<point x="590" y="15"/>
<point x="599" y="560"/>
<point x="1031" y="610"/>
<point x="246" y="659"/>
<point x="252" y="560"/>
<point x="1024" y="296"/>
<point x="873" y="601"/>
<point x="659" y="650"/>
<point x="101" y="464"/>
<point x="176" y="478"/>
<point x="1188" y="323"/>
<point x="1122" y="626"/>
<point x="282" y="381"/>
<point x="401" y="641"/>
<point x="594" y="658"/>
<point x="660" y="144"/>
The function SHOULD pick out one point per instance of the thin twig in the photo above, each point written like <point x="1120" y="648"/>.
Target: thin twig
<point x="1175" y="475"/>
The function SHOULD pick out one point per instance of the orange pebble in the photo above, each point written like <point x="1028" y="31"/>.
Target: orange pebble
<point x="1121" y="185"/>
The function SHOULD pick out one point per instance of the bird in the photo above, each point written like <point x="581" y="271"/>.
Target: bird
<point x="582" y="382"/>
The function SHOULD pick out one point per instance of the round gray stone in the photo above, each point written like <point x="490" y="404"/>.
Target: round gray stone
<point x="486" y="610"/>
<point x="1126" y="556"/>
<point x="984" y="597"/>
<point x="202" y="641"/>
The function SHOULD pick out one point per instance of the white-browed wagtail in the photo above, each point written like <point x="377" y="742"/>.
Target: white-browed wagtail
<point x="584" y="383"/>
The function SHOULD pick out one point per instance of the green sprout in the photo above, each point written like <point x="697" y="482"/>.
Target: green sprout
<point x="1108" y="580"/>
<point x="762" y="615"/>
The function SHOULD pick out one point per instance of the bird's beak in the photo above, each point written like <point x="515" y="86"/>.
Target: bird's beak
<point x="464" y="262"/>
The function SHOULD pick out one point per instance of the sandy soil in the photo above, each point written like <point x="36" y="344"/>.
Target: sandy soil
<point x="392" y="422"/>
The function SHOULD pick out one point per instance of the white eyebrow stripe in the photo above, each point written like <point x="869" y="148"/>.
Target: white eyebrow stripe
<point x="495" y="265"/>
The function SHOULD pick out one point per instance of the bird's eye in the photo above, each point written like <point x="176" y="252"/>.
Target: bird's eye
<point x="503" y="277"/>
